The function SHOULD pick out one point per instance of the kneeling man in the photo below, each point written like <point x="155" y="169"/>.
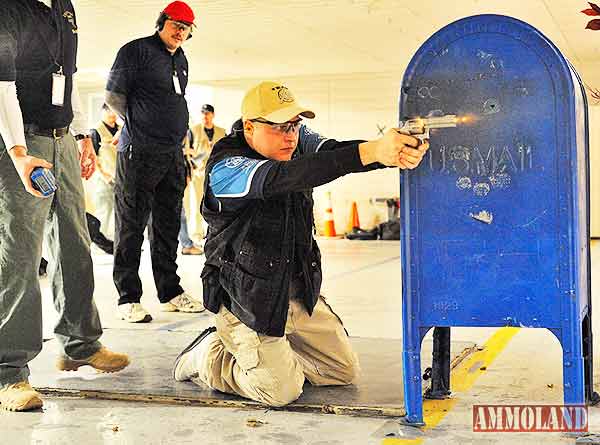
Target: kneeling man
<point x="262" y="276"/>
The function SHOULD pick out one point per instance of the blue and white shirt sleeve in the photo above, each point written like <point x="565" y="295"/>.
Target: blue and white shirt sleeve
<point x="309" y="141"/>
<point x="239" y="177"/>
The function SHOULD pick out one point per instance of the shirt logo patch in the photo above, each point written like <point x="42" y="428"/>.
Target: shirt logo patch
<point x="240" y="163"/>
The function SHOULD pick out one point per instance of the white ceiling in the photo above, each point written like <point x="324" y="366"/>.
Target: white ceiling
<point x="284" y="38"/>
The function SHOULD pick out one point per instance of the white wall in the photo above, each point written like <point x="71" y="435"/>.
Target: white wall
<point x="347" y="107"/>
<point x="351" y="107"/>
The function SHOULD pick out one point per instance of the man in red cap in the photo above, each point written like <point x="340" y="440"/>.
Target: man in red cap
<point x="146" y="88"/>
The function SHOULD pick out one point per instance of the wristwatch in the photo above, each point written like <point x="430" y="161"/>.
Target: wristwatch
<point x="81" y="136"/>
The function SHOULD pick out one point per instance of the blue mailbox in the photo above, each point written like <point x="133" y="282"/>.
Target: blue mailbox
<point x="495" y="225"/>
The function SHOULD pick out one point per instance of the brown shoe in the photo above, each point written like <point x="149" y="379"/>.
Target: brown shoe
<point x="194" y="250"/>
<point x="103" y="361"/>
<point x="19" y="397"/>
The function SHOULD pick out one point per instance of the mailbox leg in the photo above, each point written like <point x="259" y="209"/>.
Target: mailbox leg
<point x="588" y="357"/>
<point x="413" y="395"/>
<point x="411" y="366"/>
<point x="440" y="365"/>
<point x="573" y="365"/>
<point x="573" y="380"/>
<point x="591" y="397"/>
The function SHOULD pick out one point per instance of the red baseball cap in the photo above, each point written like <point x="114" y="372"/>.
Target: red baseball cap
<point x="180" y="12"/>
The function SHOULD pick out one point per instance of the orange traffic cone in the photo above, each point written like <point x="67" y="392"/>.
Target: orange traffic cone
<point x="329" y="225"/>
<point x="355" y="221"/>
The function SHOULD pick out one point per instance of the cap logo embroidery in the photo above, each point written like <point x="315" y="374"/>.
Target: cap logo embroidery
<point x="284" y="94"/>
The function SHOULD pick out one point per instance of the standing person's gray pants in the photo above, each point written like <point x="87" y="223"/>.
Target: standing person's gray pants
<point x="23" y="221"/>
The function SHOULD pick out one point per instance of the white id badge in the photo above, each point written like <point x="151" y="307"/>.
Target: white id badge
<point x="58" y="89"/>
<point x="176" y="83"/>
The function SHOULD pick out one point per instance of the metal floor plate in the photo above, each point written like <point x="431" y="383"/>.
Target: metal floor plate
<point x="377" y="392"/>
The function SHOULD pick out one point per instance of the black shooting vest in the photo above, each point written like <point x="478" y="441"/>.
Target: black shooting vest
<point x="253" y="253"/>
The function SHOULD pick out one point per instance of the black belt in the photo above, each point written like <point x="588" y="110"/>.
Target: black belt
<point x="55" y="133"/>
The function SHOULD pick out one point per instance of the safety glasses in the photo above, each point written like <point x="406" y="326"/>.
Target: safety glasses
<point x="285" y="128"/>
<point x="180" y="26"/>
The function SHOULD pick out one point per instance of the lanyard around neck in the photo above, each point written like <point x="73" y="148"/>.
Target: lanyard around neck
<point x="56" y="11"/>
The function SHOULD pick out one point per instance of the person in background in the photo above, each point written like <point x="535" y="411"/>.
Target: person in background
<point x="105" y="139"/>
<point x="188" y="247"/>
<point x="204" y="136"/>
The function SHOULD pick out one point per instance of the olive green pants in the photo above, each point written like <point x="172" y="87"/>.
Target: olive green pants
<point x="24" y="220"/>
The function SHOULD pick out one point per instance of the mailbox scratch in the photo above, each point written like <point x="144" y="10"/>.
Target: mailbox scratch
<point x="535" y="219"/>
<point x="483" y="216"/>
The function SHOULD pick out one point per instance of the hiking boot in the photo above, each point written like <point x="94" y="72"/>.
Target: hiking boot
<point x="187" y="362"/>
<point x="104" y="361"/>
<point x="182" y="303"/>
<point x="193" y="250"/>
<point x="19" y="397"/>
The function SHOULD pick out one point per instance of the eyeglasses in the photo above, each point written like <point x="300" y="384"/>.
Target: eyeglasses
<point x="180" y="25"/>
<point x="286" y="127"/>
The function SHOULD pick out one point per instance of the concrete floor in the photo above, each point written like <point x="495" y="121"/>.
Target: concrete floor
<point x="362" y="282"/>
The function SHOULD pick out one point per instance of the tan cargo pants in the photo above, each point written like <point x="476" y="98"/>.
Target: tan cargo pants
<point x="271" y="370"/>
<point x="192" y="200"/>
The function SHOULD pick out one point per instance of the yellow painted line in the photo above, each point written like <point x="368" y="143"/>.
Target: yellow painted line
<point x="468" y="372"/>
<point x="462" y="379"/>
<point x="402" y="441"/>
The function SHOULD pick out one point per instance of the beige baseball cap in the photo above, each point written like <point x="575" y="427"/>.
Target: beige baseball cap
<point x="274" y="102"/>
